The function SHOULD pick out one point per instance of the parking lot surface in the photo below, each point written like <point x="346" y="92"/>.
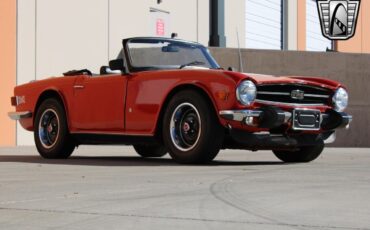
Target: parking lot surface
<point x="112" y="188"/>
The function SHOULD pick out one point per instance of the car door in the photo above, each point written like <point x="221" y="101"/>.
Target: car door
<point x="98" y="103"/>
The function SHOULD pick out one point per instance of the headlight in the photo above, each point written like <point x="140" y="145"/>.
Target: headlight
<point x="246" y="92"/>
<point x="340" y="100"/>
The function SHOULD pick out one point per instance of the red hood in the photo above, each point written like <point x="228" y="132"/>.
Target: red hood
<point x="270" y="79"/>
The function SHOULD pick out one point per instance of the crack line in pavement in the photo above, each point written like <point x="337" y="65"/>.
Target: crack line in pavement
<point x="222" y="185"/>
<point x="179" y="218"/>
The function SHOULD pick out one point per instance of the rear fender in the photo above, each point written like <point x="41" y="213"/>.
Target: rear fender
<point x="52" y="93"/>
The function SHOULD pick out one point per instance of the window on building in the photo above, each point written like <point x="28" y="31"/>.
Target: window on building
<point x="263" y="24"/>
<point x="315" y="41"/>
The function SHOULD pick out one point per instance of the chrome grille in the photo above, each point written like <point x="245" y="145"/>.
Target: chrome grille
<point x="293" y="94"/>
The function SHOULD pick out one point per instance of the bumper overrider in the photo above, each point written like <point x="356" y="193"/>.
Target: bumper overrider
<point x="272" y="118"/>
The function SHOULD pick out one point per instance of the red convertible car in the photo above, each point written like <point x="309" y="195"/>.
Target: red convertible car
<point x="168" y="95"/>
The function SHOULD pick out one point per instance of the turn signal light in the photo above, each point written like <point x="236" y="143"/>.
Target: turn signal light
<point x="17" y="100"/>
<point x="13" y="101"/>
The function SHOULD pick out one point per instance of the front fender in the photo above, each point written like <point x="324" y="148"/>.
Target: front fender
<point x="148" y="94"/>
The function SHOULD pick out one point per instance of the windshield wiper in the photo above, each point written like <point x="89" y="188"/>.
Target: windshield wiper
<point x="192" y="64"/>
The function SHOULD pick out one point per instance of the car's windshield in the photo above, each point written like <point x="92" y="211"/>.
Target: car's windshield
<point x="158" y="53"/>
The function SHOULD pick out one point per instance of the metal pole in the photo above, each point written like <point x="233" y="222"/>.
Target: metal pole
<point x="217" y="23"/>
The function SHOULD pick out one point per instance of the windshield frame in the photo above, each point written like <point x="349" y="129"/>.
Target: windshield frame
<point x="212" y="62"/>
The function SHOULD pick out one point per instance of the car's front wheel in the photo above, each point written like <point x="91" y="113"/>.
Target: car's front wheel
<point x="191" y="129"/>
<point x="302" y="155"/>
<point x="51" y="133"/>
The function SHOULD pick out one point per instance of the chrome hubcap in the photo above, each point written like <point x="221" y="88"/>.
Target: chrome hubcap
<point x="185" y="127"/>
<point x="49" y="128"/>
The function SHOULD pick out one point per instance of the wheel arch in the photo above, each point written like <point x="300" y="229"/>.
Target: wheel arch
<point x="187" y="86"/>
<point x="51" y="93"/>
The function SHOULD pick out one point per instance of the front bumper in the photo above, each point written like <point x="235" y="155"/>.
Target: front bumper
<point x="20" y="115"/>
<point x="272" y="117"/>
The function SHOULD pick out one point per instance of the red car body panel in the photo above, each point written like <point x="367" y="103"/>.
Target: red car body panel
<point x="98" y="104"/>
<point x="131" y="104"/>
<point x="34" y="90"/>
<point x="147" y="92"/>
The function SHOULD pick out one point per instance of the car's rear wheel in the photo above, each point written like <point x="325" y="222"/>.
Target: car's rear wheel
<point x="150" y="150"/>
<point x="302" y="155"/>
<point x="191" y="129"/>
<point x="51" y="133"/>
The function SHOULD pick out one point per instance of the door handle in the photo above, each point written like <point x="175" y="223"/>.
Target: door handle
<point x="78" y="86"/>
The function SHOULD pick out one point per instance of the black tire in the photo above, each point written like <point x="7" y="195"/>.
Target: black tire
<point x="52" y="137"/>
<point x="303" y="155"/>
<point x="150" y="150"/>
<point x="197" y="134"/>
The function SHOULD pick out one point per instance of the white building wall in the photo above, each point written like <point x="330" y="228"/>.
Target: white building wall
<point x="26" y="70"/>
<point x="126" y="19"/>
<point x="71" y="35"/>
<point x="183" y="16"/>
<point x="189" y="19"/>
<point x="291" y="21"/>
<point x="203" y="21"/>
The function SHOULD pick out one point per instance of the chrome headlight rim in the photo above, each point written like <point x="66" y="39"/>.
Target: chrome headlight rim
<point x="246" y="92"/>
<point x="340" y="99"/>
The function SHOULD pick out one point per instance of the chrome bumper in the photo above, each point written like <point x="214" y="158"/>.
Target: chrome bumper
<point x="19" y="115"/>
<point x="328" y="121"/>
<point x="275" y="117"/>
<point x="239" y="115"/>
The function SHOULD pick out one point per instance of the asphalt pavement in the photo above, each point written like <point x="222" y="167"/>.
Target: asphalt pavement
<point x="109" y="187"/>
